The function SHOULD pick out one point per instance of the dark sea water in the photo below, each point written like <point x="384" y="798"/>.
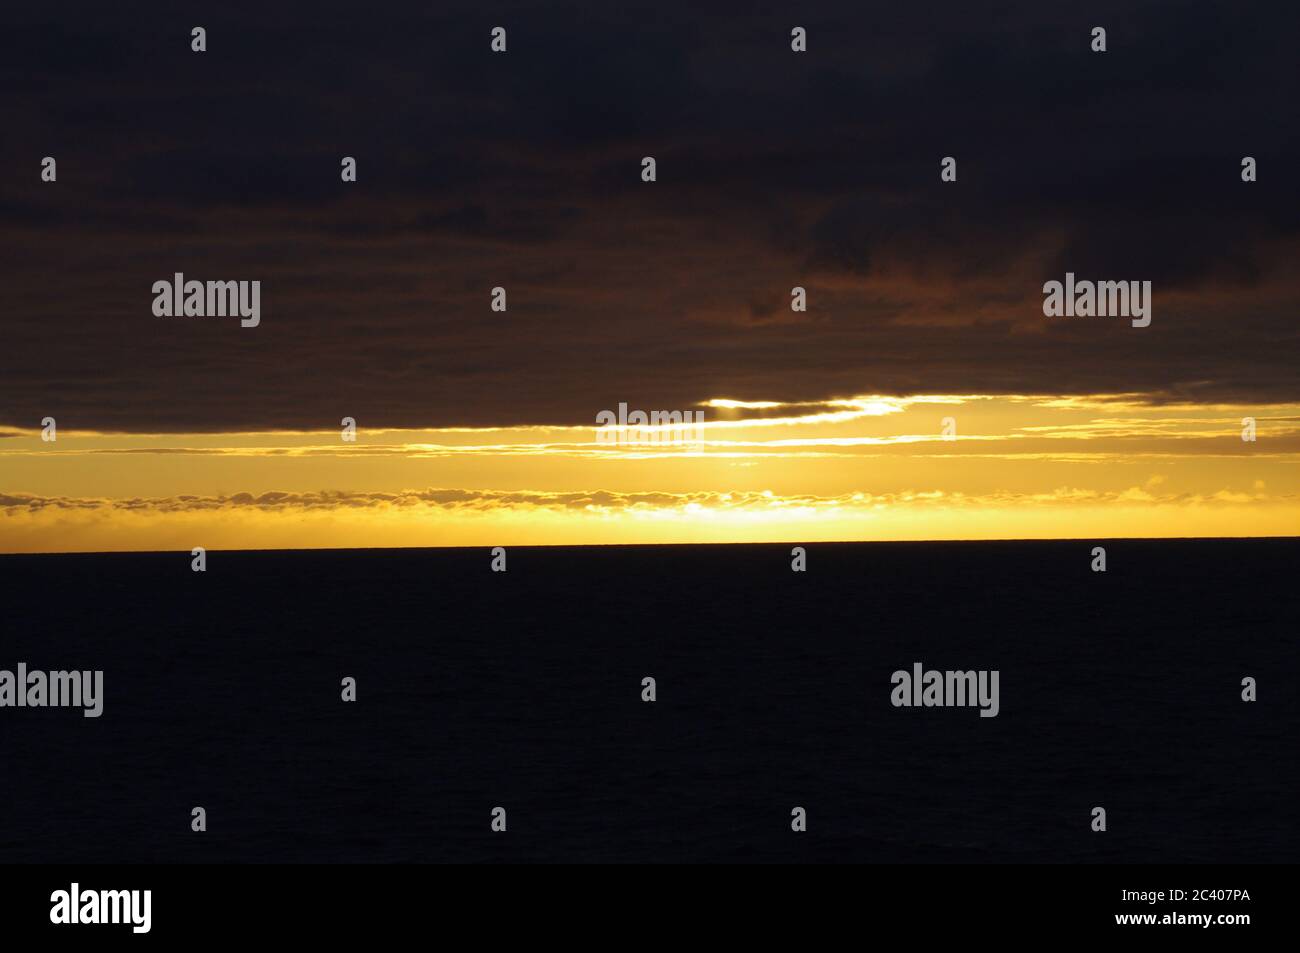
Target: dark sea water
<point x="522" y="689"/>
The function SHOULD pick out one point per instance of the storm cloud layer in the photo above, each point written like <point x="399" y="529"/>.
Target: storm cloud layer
<point x="522" y="170"/>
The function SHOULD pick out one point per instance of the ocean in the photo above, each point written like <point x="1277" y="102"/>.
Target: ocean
<point x="523" y="690"/>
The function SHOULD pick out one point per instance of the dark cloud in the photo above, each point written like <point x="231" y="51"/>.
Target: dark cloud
<point x="522" y="171"/>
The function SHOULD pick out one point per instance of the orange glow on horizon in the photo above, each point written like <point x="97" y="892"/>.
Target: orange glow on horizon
<point x="862" y="468"/>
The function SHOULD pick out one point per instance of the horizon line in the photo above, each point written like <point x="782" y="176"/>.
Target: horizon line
<point x="696" y="545"/>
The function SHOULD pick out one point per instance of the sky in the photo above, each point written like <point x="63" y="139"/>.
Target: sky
<point x="522" y="170"/>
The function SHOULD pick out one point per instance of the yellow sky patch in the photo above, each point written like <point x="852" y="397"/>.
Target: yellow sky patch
<point x="867" y="467"/>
